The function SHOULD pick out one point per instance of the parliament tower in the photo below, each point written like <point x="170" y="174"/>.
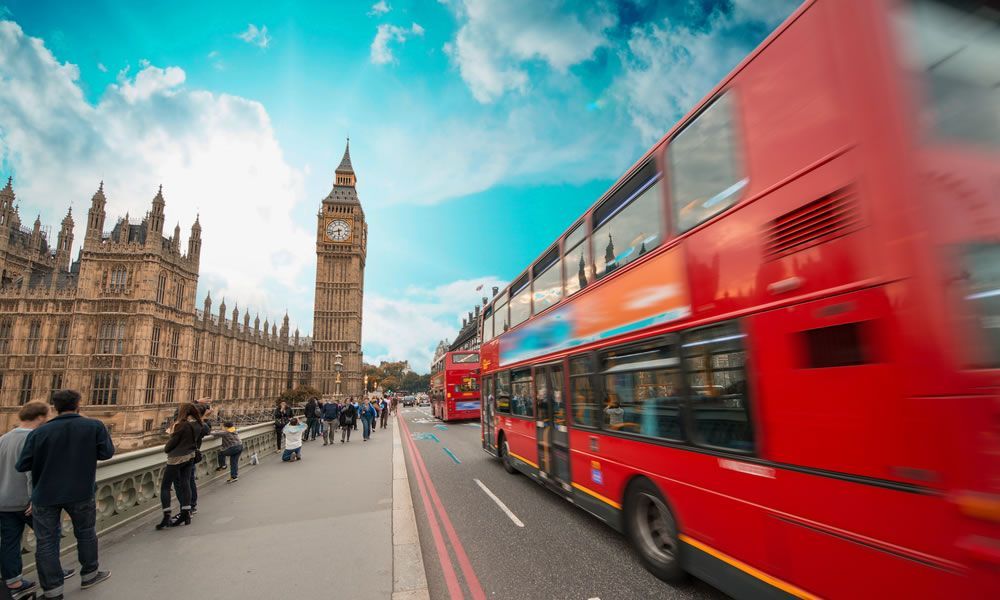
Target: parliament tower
<point x="341" y="243"/>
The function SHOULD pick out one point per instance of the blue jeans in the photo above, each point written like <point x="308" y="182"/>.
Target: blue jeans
<point x="11" y="530"/>
<point x="367" y="422"/>
<point x="233" y="453"/>
<point x="46" y="520"/>
<point x="287" y="454"/>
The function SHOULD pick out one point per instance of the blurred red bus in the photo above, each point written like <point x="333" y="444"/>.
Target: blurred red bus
<point x="455" y="386"/>
<point x="769" y="353"/>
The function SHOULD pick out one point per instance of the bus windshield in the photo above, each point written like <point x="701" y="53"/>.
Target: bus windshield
<point x="465" y="358"/>
<point x="953" y="47"/>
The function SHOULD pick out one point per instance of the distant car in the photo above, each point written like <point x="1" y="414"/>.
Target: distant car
<point x="424" y="401"/>
<point x="409" y="400"/>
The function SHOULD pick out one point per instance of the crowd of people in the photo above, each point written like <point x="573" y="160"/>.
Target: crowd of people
<point x="48" y="464"/>
<point x="323" y="420"/>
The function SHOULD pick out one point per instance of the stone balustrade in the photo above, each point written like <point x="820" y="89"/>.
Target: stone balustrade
<point x="128" y="484"/>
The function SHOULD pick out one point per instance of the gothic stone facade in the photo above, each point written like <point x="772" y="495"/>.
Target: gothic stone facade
<point x="119" y="325"/>
<point x="341" y="246"/>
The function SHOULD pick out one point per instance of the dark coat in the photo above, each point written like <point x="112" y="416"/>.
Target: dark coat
<point x="185" y="439"/>
<point x="310" y="411"/>
<point x="331" y="411"/>
<point x="62" y="456"/>
<point x="282" y="417"/>
<point x="348" y="416"/>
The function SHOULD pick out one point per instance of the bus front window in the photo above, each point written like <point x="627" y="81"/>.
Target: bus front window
<point x="953" y="48"/>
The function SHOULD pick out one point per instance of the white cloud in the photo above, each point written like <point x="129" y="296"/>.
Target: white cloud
<point x="668" y="68"/>
<point x="385" y="34"/>
<point x="5" y="12"/>
<point x="215" y="59"/>
<point x="409" y="326"/>
<point x="497" y="39"/>
<point x="102" y="68"/>
<point x="214" y="153"/>
<point x="379" y="8"/>
<point x="255" y="36"/>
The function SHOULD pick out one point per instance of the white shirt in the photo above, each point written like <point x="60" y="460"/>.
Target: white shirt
<point x="293" y="436"/>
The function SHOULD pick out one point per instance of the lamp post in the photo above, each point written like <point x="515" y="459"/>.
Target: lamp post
<point x="338" y="364"/>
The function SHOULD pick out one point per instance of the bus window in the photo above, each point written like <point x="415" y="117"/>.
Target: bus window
<point x="503" y="392"/>
<point x="629" y="231"/>
<point x="715" y="362"/>
<point x="501" y="320"/>
<point x="575" y="262"/>
<point x="585" y="408"/>
<point x="546" y="288"/>
<point x="644" y="392"/>
<point x="463" y="358"/>
<point x="488" y="324"/>
<point x="705" y="165"/>
<point x="520" y="401"/>
<point x="520" y="301"/>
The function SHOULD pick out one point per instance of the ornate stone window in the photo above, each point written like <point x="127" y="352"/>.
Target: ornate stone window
<point x="154" y="346"/>
<point x="150" y="388"/>
<point x="179" y="295"/>
<point x="62" y="337"/>
<point x="175" y="342"/>
<point x="111" y="336"/>
<point x="27" y="379"/>
<point x="6" y="329"/>
<point x="34" y="334"/>
<point x="161" y="287"/>
<point x="119" y="278"/>
<point x="168" y="391"/>
<point x="105" y="388"/>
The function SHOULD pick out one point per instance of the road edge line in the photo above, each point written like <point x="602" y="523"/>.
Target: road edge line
<point x="411" y="583"/>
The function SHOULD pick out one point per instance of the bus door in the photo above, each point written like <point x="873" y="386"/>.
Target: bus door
<point x="489" y="409"/>
<point x="553" y="435"/>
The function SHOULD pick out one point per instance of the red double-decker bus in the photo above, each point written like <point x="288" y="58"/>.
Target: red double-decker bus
<point x="770" y="353"/>
<point x="455" y="386"/>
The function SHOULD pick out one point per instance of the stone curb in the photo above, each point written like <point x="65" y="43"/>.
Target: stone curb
<point x="409" y="580"/>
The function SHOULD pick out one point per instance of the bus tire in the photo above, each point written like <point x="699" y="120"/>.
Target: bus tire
<point x="652" y="531"/>
<point x="505" y="456"/>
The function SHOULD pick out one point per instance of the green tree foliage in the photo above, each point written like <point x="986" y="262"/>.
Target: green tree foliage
<point x="396" y="376"/>
<point x="299" y="395"/>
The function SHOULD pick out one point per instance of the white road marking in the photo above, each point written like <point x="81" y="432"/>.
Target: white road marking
<point x="476" y="425"/>
<point x="594" y="598"/>
<point x="500" y="503"/>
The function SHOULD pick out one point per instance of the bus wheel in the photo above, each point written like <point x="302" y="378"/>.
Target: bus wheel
<point x="505" y="456"/>
<point x="653" y="531"/>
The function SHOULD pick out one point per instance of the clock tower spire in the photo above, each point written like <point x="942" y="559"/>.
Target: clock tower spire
<point x="341" y="247"/>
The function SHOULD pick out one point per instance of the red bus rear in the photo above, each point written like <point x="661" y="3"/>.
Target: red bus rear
<point x="769" y="353"/>
<point x="455" y="386"/>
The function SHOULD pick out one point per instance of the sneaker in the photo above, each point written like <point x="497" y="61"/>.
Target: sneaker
<point x="67" y="573"/>
<point x="217" y="469"/>
<point x="194" y="509"/>
<point x="26" y="584"/>
<point x="98" y="578"/>
<point x="232" y="479"/>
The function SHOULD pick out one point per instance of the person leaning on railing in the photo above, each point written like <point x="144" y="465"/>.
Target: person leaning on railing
<point x="185" y="434"/>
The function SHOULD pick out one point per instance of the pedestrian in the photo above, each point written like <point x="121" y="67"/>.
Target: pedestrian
<point x="231" y="447"/>
<point x="310" y="419"/>
<point x="185" y="434"/>
<point x="282" y="415"/>
<point x="62" y="456"/>
<point x="331" y="421"/>
<point x="293" y="440"/>
<point x="204" y="408"/>
<point x="15" y="495"/>
<point x="367" y="411"/>
<point x="348" y="416"/>
<point x="384" y="405"/>
<point x="357" y="412"/>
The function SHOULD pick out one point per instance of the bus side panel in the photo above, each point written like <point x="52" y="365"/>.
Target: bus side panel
<point x="521" y="438"/>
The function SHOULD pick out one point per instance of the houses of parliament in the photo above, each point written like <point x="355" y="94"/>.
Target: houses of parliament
<point x="120" y="323"/>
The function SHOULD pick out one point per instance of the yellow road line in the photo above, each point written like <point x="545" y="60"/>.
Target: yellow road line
<point x="603" y="499"/>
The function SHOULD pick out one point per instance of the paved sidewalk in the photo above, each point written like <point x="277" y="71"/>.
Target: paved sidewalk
<point x="321" y="527"/>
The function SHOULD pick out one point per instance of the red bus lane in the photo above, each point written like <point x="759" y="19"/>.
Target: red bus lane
<point x="769" y="354"/>
<point x="427" y="488"/>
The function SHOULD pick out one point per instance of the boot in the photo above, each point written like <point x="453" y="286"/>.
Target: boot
<point x="183" y="517"/>
<point x="165" y="522"/>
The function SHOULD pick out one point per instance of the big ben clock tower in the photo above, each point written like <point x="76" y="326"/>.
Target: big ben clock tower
<point x="341" y="244"/>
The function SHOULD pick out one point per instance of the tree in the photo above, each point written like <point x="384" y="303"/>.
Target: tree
<point x="299" y="395"/>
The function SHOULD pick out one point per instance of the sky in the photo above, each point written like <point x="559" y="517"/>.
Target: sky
<point x="480" y="130"/>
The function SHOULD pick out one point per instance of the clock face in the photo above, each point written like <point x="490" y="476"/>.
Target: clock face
<point x="338" y="230"/>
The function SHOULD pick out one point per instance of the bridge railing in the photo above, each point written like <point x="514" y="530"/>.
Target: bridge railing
<point x="128" y="484"/>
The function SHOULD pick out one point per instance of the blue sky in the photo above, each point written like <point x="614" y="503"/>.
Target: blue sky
<point x="479" y="129"/>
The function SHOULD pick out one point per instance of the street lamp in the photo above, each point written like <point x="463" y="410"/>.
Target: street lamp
<point x="338" y="364"/>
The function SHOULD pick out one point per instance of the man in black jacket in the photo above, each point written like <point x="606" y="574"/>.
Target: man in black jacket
<point x="312" y="420"/>
<point x="62" y="456"/>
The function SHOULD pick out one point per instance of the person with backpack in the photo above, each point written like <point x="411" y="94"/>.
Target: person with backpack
<point x="384" y="405"/>
<point x="312" y="421"/>
<point x="348" y="417"/>
<point x="331" y="422"/>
